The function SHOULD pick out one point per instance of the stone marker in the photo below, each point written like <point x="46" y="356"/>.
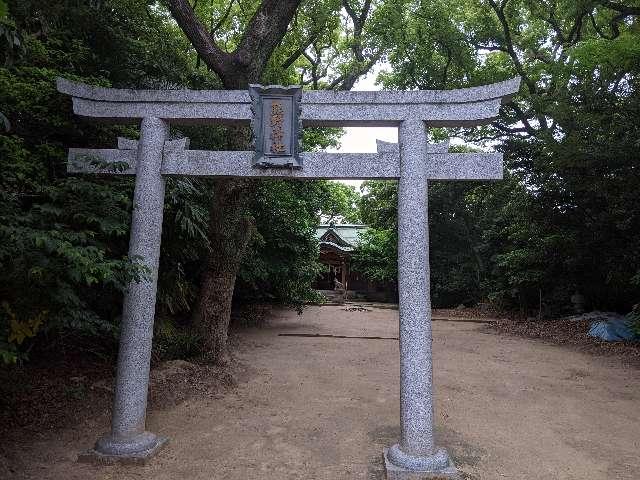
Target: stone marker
<point x="413" y="163"/>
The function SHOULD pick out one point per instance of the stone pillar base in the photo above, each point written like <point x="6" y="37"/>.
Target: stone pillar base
<point x="394" y="472"/>
<point x="135" y="451"/>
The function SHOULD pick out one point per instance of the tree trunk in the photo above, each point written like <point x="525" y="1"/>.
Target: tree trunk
<point x="230" y="229"/>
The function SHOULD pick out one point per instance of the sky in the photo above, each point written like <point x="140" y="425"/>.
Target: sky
<point x="363" y="139"/>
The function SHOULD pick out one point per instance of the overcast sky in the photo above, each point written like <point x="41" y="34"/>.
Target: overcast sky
<point x="363" y="139"/>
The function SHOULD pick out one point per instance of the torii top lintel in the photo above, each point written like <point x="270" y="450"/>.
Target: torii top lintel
<point x="439" y="108"/>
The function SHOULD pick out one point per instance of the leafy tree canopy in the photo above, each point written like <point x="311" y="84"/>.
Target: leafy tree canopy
<point x="63" y="240"/>
<point x="567" y="215"/>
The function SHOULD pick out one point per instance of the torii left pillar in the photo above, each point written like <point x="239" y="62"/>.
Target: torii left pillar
<point x="128" y="437"/>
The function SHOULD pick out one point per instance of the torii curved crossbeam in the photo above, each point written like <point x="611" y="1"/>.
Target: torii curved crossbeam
<point x="320" y="108"/>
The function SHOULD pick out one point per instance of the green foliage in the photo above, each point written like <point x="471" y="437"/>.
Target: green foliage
<point x="283" y="259"/>
<point x="15" y="331"/>
<point x="567" y="217"/>
<point x="185" y="243"/>
<point x="11" y="46"/>
<point x="376" y="256"/>
<point x="60" y="238"/>
<point x="379" y="204"/>
<point x="63" y="240"/>
<point x="377" y="252"/>
<point x="315" y="139"/>
<point x="172" y="341"/>
<point x="339" y="203"/>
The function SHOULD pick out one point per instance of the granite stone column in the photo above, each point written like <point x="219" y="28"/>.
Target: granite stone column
<point x="416" y="451"/>
<point x="128" y="437"/>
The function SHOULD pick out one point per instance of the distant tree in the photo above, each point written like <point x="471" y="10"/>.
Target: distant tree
<point x="376" y="256"/>
<point x="566" y="219"/>
<point x="340" y="203"/>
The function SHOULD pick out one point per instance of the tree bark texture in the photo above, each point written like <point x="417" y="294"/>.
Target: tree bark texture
<point x="230" y="227"/>
<point x="230" y="230"/>
<point x="247" y="62"/>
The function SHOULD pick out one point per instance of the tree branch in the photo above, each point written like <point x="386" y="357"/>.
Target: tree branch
<point x="223" y="18"/>
<point x="624" y="9"/>
<point x="348" y="80"/>
<point x="358" y="21"/>
<point x="264" y="33"/>
<point x="197" y="34"/>
<point x="524" y="118"/>
<point x="506" y="30"/>
<point x="246" y="64"/>
<point x="300" y="51"/>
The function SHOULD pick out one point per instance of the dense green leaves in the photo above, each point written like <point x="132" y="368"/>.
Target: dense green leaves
<point x="283" y="260"/>
<point x="376" y="257"/>
<point x="63" y="240"/>
<point x="340" y="203"/>
<point x="567" y="217"/>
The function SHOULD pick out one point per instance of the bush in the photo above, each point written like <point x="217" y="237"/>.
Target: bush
<point x="174" y="342"/>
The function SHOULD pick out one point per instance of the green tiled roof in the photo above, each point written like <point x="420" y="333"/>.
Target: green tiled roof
<point x="346" y="232"/>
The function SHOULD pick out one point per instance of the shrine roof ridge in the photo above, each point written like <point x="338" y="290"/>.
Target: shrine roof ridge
<point x="505" y="90"/>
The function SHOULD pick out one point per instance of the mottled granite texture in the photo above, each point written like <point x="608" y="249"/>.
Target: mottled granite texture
<point x="388" y="147"/>
<point x="128" y="437"/>
<point x="394" y="472"/>
<point x="463" y="107"/>
<point x="318" y="165"/>
<point x="135" y="457"/>
<point x="416" y="451"/>
<point x="124" y="95"/>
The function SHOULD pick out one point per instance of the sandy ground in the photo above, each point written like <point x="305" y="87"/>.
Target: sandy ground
<point x="324" y="408"/>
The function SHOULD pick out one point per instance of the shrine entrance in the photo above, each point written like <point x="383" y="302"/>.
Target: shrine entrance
<point x="277" y="115"/>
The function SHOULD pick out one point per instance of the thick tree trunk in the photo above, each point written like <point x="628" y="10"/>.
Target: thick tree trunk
<point x="230" y="230"/>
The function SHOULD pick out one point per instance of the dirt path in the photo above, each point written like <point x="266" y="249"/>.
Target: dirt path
<point x="324" y="408"/>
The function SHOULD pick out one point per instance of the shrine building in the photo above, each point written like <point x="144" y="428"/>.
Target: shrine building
<point x="339" y="280"/>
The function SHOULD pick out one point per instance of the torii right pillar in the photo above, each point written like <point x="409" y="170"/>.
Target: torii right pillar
<point x="416" y="455"/>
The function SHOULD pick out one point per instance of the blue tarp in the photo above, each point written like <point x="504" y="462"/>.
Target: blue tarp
<point x="612" y="330"/>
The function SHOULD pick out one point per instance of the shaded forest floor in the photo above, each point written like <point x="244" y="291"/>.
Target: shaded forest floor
<point x="558" y="331"/>
<point x="570" y="334"/>
<point x="45" y="397"/>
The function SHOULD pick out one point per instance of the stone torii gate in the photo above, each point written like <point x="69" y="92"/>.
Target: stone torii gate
<point x="412" y="162"/>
